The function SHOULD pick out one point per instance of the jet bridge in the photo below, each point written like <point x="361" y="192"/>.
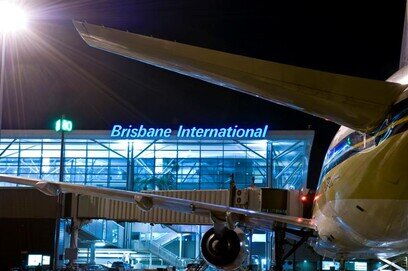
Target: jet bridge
<point x="259" y="199"/>
<point x="30" y="203"/>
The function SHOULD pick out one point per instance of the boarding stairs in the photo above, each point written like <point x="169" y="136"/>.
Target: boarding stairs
<point x="166" y="238"/>
<point x="157" y="247"/>
<point x="160" y="251"/>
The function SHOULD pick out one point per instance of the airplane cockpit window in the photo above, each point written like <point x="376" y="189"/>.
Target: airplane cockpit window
<point x="341" y="134"/>
<point x="338" y="145"/>
<point x="355" y="140"/>
<point x="344" y="144"/>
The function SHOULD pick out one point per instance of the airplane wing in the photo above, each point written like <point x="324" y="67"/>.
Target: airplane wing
<point x="148" y="201"/>
<point x="357" y="103"/>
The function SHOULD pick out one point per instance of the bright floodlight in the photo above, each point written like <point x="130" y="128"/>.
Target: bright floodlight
<point x="12" y="17"/>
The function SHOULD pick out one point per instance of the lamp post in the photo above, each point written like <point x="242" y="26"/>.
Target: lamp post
<point x="12" y="19"/>
<point x="62" y="125"/>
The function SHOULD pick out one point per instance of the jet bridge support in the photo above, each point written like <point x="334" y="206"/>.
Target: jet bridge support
<point x="279" y="248"/>
<point x="342" y="264"/>
<point x="280" y="241"/>
<point x="72" y="251"/>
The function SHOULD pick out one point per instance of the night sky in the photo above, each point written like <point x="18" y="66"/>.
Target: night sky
<point x="50" y="71"/>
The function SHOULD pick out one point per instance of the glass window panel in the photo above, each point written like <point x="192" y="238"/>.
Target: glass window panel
<point x="146" y="154"/>
<point x="51" y="153"/>
<point x="74" y="178"/>
<point x="75" y="153"/>
<point x="233" y="147"/>
<point x="97" y="154"/>
<point x="165" y="146"/>
<point x="212" y="154"/>
<point x="118" y="177"/>
<point x="118" y="162"/>
<point x="8" y="161"/>
<point x="10" y="153"/>
<point x="188" y="186"/>
<point x="114" y="155"/>
<point x="189" y="146"/>
<point x="189" y="154"/>
<point x="291" y="165"/>
<point x="50" y="177"/>
<point x="52" y="146"/>
<point x="76" y="146"/>
<point x="188" y="178"/>
<point x="165" y="154"/>
<point x="211" y="146"/>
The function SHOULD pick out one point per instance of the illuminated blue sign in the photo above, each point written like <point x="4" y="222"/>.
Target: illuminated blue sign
<point x="130" y="132"/>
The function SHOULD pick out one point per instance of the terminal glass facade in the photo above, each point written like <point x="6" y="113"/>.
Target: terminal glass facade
<point x="92" y="158"/>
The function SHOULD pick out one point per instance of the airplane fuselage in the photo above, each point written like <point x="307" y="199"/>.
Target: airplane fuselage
<point x="361" y="206"/>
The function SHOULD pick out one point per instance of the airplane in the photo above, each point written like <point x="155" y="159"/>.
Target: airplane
<point x="361" y="204"/>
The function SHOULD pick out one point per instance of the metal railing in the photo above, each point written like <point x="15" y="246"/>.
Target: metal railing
<point x="166" y="255"/>
<point x="107" y="230"/>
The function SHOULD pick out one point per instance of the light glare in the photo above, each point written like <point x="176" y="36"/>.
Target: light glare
<point x="12" y="17"/>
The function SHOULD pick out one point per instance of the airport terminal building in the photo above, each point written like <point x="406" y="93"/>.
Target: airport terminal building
<point x="162" y="160"/>
<point x="278" y="159"/>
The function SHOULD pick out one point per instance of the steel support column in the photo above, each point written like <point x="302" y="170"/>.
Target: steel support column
<point x="279" y="248"/>
<point x="92" y="253"/>
<point x="73" y="241"/>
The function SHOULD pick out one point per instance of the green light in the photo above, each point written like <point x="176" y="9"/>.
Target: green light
<point x="63" y="125"/>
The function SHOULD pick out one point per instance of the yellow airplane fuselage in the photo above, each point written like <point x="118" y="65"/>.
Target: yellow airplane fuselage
<point x="361" y="206"/>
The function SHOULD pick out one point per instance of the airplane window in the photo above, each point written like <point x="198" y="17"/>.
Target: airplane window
<point x="355" y="140"/>
<point x="341" y="134"/>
